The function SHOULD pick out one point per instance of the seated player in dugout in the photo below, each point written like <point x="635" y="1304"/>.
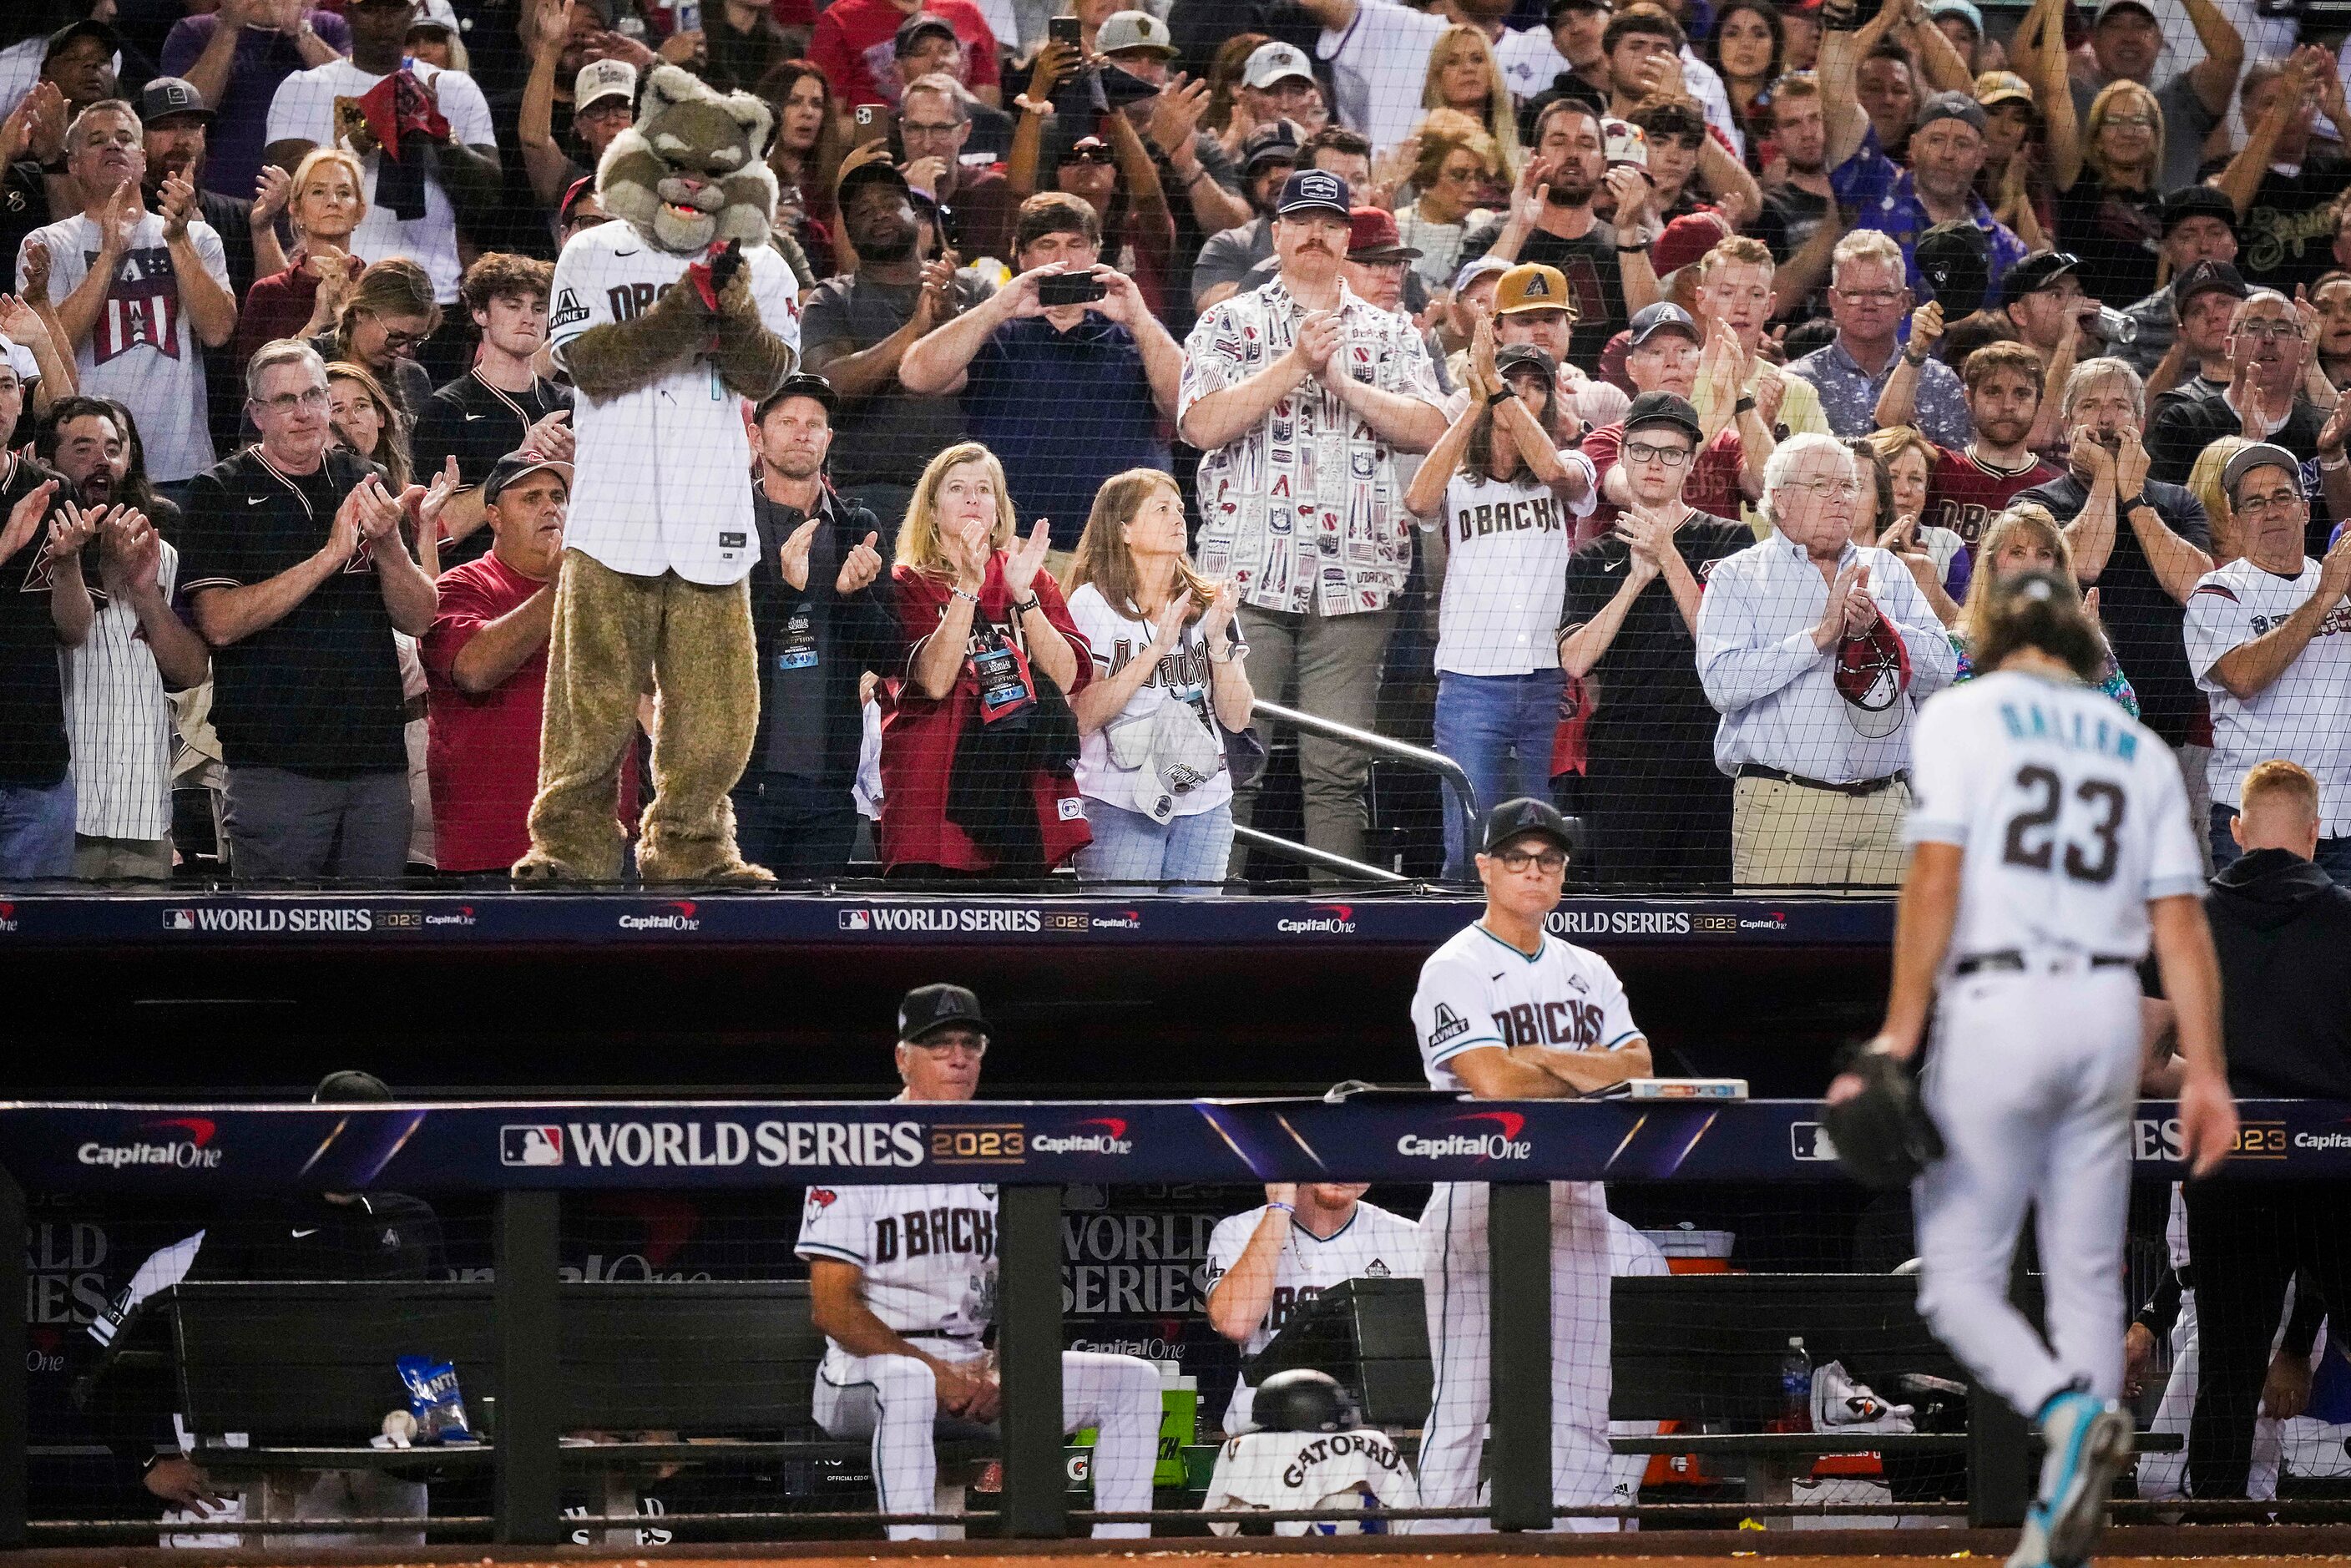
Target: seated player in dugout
<point x="902" y="1284"/>
<point x="1267" y="1262"/>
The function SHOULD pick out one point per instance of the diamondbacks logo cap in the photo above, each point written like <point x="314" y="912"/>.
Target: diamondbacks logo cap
<point x="1873" y="676"/>
<point x="928" y="1009"/>
<point x="1532" y="286"/>
<point x="2208" y="277"/>
<point x="1523" y="817"/>
<point x="1314" y="191"/>
<point x="1624" y="142"/>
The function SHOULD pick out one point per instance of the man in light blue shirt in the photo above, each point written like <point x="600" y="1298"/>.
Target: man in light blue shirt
<point x="1869" y="299"/>
<point x="1816" y="652"/>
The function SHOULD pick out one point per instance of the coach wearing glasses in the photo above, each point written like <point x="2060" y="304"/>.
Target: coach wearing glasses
<point x="1815" y="651"/>
<point x="297" y="574"/>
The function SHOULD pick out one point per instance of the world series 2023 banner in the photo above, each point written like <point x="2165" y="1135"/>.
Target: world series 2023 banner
<point x="1385" y="1137"/>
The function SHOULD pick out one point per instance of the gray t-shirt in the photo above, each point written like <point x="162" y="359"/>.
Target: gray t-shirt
<point x="888" y="435"/>
<point x="1228" y="256"/>
<point x="2186" y="123"/>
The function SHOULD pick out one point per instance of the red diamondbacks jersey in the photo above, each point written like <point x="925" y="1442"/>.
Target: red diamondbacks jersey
<point x="1964" y="496"/>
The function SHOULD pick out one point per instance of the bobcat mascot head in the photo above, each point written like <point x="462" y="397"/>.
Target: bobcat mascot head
<point x="692" y="172"/>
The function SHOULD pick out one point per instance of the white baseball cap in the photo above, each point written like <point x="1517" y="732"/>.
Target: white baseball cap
<point x="1625" y="143"/>
<point x="601" y="80"/>
<point x="1275" y="62"/>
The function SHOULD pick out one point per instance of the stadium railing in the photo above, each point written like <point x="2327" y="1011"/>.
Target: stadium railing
<point x="547" y="1339"/>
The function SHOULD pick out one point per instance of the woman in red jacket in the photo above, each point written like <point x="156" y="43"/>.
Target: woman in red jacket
<point x="325" y="205"/>
<point x="978" y="747"/>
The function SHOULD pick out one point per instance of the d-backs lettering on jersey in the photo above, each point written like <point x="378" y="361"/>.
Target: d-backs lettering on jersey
<point x="2072" y="815"/>
<point x="142" y="305"/>
<point x="1544" y="513"/>
<point x="927" y="1253"/>
<point x="1480" y="991"/>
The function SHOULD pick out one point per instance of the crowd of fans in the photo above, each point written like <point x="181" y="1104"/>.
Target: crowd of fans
<point x="1629" y="401"/>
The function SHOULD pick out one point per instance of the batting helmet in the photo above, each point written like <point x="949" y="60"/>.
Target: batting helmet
<point x="1304" y="1400"/>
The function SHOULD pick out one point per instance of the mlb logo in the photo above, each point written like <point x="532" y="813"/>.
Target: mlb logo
<point x="179" y="920"/>
<point x="857" y="920"/>
<point x="1809" y="1141"/>
<point x="540" y="1143"/>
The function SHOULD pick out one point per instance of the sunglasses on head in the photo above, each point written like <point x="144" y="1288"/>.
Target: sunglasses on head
<point x="1095" y="154"/>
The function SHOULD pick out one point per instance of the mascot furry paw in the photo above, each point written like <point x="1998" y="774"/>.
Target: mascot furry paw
<point x="665" y="321"/>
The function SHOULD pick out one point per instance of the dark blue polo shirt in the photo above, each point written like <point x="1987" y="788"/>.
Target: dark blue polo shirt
<point x="1064" y="410"/>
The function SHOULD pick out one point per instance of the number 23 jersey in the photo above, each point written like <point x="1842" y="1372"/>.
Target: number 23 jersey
<point x="1480" y="991"/>
<point x="2073" y="816"/>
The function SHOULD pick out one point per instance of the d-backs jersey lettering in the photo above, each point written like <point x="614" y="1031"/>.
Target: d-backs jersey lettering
<point x="928" y="1252"/>
<point x="2072" y="813"/>
<point x="658" y="478"/>
<point x="1478" y="991"/>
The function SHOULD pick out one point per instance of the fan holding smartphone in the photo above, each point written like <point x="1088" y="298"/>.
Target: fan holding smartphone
<point x="1066" y="333"/>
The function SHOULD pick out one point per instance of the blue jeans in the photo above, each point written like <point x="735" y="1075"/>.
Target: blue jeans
<point x="2333" y="855"/>
<point x="36" y="831"/>
<point x="793" y="826"/>
<point x="1139" y="854"/>
<point x="1499" y="727"/>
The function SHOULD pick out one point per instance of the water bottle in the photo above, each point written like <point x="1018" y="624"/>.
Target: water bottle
<point x="1795" y="1387"/>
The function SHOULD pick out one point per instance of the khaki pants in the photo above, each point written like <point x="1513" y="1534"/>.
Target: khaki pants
<point x="1328" y="665"/>
<point x="122" y="860"/>
<point x="1787" y="835"/>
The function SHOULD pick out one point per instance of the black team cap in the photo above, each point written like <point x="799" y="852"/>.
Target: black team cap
<point x="929" y="1009"/>
<point x="1523" y="817"/>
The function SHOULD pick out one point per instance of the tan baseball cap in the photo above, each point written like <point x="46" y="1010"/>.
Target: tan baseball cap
<point x="2003" y="87"/>
<point x="1532" y="287"/>
<point x="601" y="80"/>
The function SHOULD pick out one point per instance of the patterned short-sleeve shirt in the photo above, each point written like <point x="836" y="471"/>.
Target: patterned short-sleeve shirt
<point x="1304" y="511"/>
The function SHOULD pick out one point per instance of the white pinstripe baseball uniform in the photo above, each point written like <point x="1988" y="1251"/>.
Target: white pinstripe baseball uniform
<point x="1479" y="992"/>
<point x="927" y="1254"/>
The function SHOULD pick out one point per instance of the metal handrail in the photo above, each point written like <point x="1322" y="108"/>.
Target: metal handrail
<point x="1463" y="796"/>
<point x="1290" y="849"/>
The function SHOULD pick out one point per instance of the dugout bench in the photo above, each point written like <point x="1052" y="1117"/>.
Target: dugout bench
<point x="304" y="1372"/>
<point x="1705" y="1348"/>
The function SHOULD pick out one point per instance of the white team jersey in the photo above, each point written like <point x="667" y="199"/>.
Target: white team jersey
<point x="2305" y="714"/>
<point x="1507" y="544"/>
<point x="1477" y="990"/>
<point x="1375" y="1244"/>
<point x="660" y="479"/>
<point x="928" y="1252"/>
<point x="2072" y="813"/>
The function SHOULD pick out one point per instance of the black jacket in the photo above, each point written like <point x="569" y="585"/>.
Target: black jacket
<point x="851" y="635"/>
<point x="2283" y="932"/>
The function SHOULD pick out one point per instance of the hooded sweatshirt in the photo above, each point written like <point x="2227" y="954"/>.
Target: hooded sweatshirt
<point x="2283" y="932"/>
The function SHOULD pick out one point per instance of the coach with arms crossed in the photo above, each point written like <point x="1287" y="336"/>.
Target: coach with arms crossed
<point x="902" y="1281"/>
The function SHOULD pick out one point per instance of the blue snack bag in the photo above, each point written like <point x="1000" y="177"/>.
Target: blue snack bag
<point x="434" y="1400"/>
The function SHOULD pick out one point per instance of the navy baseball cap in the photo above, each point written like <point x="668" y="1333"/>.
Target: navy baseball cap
<point x="1314" y="191"/>
<point x="515" y="466"/>
<point x="1960" y="106"/>
<point x="1665" y="316"/>
<point x="351" y="1087"/>
<point x="1526" y="817"/>
<point x="1525" y="357"/>
<point x="929" y="1009"/>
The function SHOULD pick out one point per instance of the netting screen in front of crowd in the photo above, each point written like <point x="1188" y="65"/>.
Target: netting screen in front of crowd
<point x="670" y="442"/>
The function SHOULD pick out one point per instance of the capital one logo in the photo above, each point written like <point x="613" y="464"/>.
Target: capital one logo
<point x="1488" y="1136"/>
<point x="178" y="1143"/>
<point x="679" y="916"/>
<point x="1110" y="1139"/>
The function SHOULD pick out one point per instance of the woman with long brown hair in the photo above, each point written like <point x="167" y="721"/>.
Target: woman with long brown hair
<point x="806" y="153"/>
<point x="992" y="659"/>
<point x="388" y="316"/>
<point x="2025" y="538"/>
<point x="1153" y="764"/>
<point x="2109" y="195"/>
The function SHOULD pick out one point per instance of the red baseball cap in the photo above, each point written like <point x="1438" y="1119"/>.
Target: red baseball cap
<point x="1371" y="236"/>
<point x="1872" y="676"/>
<point x="1687" y="239"/>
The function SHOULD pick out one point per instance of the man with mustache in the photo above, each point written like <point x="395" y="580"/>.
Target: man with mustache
<point x="1298" y="393"/>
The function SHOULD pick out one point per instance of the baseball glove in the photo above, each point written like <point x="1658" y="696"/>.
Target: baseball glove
<point x="1883" y="1135"/>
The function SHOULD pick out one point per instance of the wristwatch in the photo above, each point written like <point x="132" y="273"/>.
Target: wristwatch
<point x="2133" y="505"/>
<point x="1232" y="651"/>
<point x="1498" y="396"/>
<point x="1022" y="606"/>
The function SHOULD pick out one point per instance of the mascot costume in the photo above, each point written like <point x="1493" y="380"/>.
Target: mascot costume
<point x="665" y="321"/>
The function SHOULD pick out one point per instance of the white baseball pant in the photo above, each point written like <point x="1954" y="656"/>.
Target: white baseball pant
<point x="2164" y="1476"/>
<point x="1457" y="1277"/>
<point x="2032" y="1081"/>
<point x="893" y="1400"/>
